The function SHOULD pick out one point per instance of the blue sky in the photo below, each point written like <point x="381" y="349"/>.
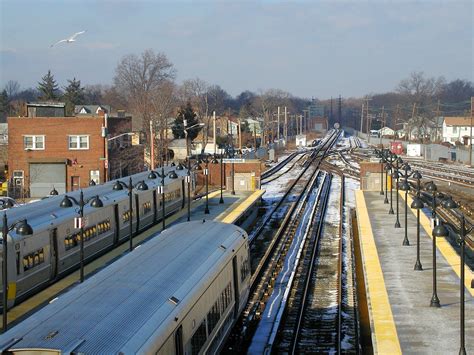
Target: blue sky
<point x="309" y="48"/>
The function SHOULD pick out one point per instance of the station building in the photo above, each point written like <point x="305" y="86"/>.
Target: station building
<point x="64" y="153"/>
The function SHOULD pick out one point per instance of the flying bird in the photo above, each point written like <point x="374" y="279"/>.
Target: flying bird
<point x="70" y="39"/>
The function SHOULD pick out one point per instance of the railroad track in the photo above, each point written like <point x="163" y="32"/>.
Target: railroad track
<point x="274" y="250"/>
<point x="320" y="316"/>
<point x="273" y="176"/>
<point x="273" y="170"/>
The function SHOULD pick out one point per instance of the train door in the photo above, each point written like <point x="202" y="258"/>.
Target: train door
<point x="75" y="183"/>
<point x="116" y="224"/>
<point x="178" y="341"/>
<point x="53" y="242"/>
<point x="155" y="207"/>
<point x="236" y="286"/>
<point x="183" y="193"/>
<point x="137" y="208"/>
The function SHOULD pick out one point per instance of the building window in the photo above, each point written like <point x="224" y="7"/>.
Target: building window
<point x="34" y="142"/>
<point x="95" y="176"/>
<point x="78" y="142"/>
<point x="455" y="130"/>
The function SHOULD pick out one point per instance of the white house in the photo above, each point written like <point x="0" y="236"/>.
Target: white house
<point x="457" y="129"/>
<point x="386" y="131"/>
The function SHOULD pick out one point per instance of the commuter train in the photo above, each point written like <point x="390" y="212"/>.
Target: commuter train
<point x="179" y="293"/>
<point x="53" y="249"/>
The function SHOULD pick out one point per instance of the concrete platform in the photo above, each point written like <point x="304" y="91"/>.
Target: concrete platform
<point x="402" y="320"/>
<point x="223" y="212"/>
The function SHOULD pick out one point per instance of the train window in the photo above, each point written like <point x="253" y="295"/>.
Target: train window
<point x="146" y="207"/>
<point x="89" y="233"/>
<point x="126" y="216"/>
<point x="33" y="259"/>
<point x="18" y="263"/>
<point x="199" y="338"/>
<point x="213" y="317"/>
<point x="178" y="341"/>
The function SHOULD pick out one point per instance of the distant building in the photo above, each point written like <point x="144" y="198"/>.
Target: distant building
<point x="92" y="110"/>
<point x="46" y="109"/>
<point x="67" y="152"/>
<point x="315" y="109"/>
<point x="320" y="124"/>
<point x="386" y="131"/>
<point x="457" y="129"/>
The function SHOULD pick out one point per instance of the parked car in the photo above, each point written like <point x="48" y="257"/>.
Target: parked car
<point x="7" y="202"/>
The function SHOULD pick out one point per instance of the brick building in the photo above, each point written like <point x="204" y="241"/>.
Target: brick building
<point x="67" y="152"/>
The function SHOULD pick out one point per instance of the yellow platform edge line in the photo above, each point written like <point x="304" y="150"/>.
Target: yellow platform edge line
<point x="452" y="258"/>
<point x="384" y="329"/>
<point x="237" y="211"/>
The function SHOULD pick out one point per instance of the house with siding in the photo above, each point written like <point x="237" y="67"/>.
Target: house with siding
<point x="458" y="129"/>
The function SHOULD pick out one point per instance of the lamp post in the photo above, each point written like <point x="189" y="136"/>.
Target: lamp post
<point x="206" y="174"/>
<point x="451" y="205"/>
<point x="381" y="176"/>
<point x="405" y="186"/>
<point x="22" y="228"/>
<point x="379" y="154"/>
<point x="437" y="231"/>
<point x="387" y="168"/>
<point x="188" y="157"/>
<point x="188" y="180"/>
<point x="398" y="163"/>
<point x="390" y="211"/>
<point x="67" y="202"/>
<point x="119" y="185"/>
<point x="153" y="175"/>
<point x="418" y="205"/>
<point x="389" y="158"/>
<point x="221" y="200"/>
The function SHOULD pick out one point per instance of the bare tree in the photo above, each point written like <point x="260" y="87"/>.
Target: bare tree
<point x="13" y="88"/>
<point x="136" y="77"/>
<point x="163" y="103"/>
<point x="266" y="104"/>
<point x="196" y="91"/>
<point x="420" y="91"/>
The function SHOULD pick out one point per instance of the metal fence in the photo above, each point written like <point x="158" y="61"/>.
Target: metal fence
<point x="431" y="152"/>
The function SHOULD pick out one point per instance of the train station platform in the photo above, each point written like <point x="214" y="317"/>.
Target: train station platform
<point x="235" y="209"/>
<point x="398" y="297"/>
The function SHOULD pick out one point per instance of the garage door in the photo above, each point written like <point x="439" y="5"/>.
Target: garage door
<point x="43" y="177"/>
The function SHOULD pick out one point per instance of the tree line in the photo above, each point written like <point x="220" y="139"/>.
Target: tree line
<point x="145" y="86"/>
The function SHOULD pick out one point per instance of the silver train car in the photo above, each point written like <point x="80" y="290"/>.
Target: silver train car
<point x="179" y="293"/>
<point x="52" y="251"/>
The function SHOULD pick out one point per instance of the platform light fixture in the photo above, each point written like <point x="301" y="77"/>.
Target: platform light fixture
<point x="69" y="201"/>
<point x="450" y="204"/>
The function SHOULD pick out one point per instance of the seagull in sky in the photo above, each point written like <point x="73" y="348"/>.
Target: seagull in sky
<point x="70" y="39"/>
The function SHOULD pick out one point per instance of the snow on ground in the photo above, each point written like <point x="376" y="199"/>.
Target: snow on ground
<point x="351" y="186"/>
<point x="278" y="187"/>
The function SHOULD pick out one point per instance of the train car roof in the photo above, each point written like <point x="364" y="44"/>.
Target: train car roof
<point x="47" y="210"/>
<point x="135" y="302"/>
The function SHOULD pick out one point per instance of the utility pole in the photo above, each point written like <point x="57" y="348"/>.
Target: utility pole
<point x="383" y="124"/>
<point x="369" y="125"/>
<point x="470" y="138"/>
<point x="278" y="124"/>
<point x="286" y="126"/>
<point x="395" y="133"/>
<point x="152" y="147"/>
<point x="412" y="116"/>
<point x="362" y="118"/>
<point x="330" y="114"/>
<point x="438" y="114"/>
<point x="339" y="110"/>
<point x="214" y="131"/>
<point x="240" y="135"/>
